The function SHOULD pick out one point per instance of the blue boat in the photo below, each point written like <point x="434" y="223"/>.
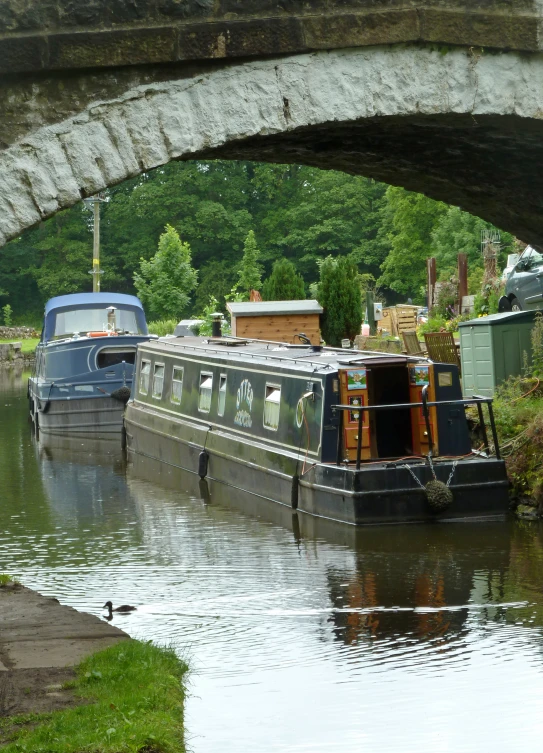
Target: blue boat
<point x="85" y="363"/>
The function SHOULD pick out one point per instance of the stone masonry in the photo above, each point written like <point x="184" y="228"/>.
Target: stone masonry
<point x="444" y="97"/>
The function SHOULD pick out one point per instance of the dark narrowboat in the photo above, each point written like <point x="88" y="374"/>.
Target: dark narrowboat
<point x="85" y="363"/>
<point x="357" y="437"/>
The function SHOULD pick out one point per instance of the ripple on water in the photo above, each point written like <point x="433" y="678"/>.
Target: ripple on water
<point x="301" y="638"/>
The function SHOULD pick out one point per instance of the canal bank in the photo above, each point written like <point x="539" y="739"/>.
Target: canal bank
<point x="70" y="681"/>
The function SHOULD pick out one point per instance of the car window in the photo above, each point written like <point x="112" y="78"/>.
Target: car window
<point x="532" y="256"/>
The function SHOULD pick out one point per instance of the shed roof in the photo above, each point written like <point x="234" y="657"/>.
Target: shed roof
<point x="507" y="317"/>
<point x="265" y="308"/>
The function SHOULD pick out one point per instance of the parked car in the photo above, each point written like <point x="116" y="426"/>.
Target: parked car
<point x="524" y="286"/>
<point x="512" y="261"/>
<point x="422" y="316"/>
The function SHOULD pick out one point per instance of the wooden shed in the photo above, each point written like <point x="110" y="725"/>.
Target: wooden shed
<point x="276" y="320"/>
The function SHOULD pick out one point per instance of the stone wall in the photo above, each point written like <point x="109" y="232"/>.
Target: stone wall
<point x="379" y="344"/>
<point x="17" y="333"/>
<point x="10" y="353"/>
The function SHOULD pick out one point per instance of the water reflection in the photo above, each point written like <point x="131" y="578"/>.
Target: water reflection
<point x="304" y="635"/>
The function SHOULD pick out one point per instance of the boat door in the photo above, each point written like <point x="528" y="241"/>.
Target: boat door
<point x="420" y="376"/>
<point x="354" y="391"/>
<point x="390" y="429"/>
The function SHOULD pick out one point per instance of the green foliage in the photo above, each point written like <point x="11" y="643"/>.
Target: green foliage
<point x="7" y="313"/>
<point x="536" y="336"/>
<point x="28" y="344"/>
<point x="339" y="294"/>
<point x="408" y="221"/>
<point x="298" y="213"/>
<point x="162" y="327"/>
<point x="250" y="271"/>
<point x="6" y="579"/>
<point x="486" y="301"/>
<point x="134" y="702"/>
<point x="446" y="299"/>
<point x="216" y="278"/>
<point x="435" y="323"/>
<point x="475" y="280"/>
<point x="284" y="283"/>
<point x="458" y="232"/>
<point x="518" y="412"/>
<point x="206" y="329"/>
<point x="164" y="283"/>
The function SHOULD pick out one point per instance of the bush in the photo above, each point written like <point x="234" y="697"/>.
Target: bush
<point x="7" y="311"/>
<point x="486" y="302"/>
<point x="162" y="327"/>
<point x="338" y="292"/>
<point x="206" y="329"/>
<point x="284" y="283"/>
<point x="435" y="323"/>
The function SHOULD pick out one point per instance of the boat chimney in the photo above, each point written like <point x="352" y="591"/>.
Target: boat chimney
<point x="111" y="319"/>
<point x="216" y="324"/>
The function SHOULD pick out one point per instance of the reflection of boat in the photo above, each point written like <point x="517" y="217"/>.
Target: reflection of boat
<point x="81" y="475"/>
<point x="391" y="581"/>
<point x="347" y="435"/>
<point x="85" y="362"/>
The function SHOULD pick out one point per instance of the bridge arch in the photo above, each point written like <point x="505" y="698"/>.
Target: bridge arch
<point x="458" y="124"/>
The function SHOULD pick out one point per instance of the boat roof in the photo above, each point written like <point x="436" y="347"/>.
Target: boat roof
<point x="88" y="300"/>
<point x="78" y="301"/>
<point x="283" y="355"/>
<point x="265" y="308"/>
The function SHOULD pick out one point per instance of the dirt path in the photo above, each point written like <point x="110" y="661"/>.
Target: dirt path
<point x="40" y="642"/>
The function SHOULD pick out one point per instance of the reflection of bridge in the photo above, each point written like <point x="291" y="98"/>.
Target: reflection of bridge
<point x="92" y="93"/>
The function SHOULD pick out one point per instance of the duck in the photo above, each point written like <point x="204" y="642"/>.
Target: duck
<point x="124" y="608"/>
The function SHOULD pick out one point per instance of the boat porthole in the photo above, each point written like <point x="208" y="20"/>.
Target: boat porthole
<point x="300" y="413"/>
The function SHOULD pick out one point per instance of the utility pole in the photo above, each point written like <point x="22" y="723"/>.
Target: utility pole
<point x="95" y="202"/>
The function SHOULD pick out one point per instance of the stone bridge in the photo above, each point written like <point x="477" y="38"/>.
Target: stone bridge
<point x="443" y="96"/>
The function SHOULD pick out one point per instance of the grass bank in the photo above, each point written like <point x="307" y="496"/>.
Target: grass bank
<point x="518" y="408"/>
<point x="132" y="700"/>
<point x="27" y="346"/>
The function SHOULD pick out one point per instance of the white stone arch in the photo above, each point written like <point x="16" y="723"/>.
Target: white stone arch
<point x="150" y="125"/>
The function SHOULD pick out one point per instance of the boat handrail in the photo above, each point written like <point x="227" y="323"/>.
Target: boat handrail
<point x="477" y="400"/>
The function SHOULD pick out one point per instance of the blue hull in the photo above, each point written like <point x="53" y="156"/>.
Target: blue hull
<point x="80" y="385"/>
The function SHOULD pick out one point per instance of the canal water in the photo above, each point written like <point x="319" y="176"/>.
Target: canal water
<point x="302" y="635"/>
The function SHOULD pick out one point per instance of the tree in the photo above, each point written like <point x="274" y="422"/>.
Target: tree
<point x="250" y="271"/>
<point x="165" y="282"/>
<point x="284" y="283"/>
<point x="338" y="292"/>
<point x="459" y="232"/>
<point x="407" y="224"/>
<point x="215" y="279"/>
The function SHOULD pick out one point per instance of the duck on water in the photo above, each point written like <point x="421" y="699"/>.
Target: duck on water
<point x="357" y="437"/>
<point x="123" y="609"/>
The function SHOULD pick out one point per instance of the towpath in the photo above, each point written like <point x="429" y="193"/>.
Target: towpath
<point x="40" y="642"/>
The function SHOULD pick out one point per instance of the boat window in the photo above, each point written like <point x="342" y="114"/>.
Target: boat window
<point x="158" y="380"/>
<point x="221" y="402"/>
<point x="94" y="320"/>
<point x="272" y="403"/>
<point x="177" y="384"/>
<point x="206" y="388"/>
<point x="111" y="356"/>
<point x="145" y="371"/>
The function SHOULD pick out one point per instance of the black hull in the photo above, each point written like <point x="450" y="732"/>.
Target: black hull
<point x="377" y="493"/>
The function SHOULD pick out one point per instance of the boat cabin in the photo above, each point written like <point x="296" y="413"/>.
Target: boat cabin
<point x="84" y="363"/>
<point x="348" y="435"/>
<point x="286" y="395"/>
